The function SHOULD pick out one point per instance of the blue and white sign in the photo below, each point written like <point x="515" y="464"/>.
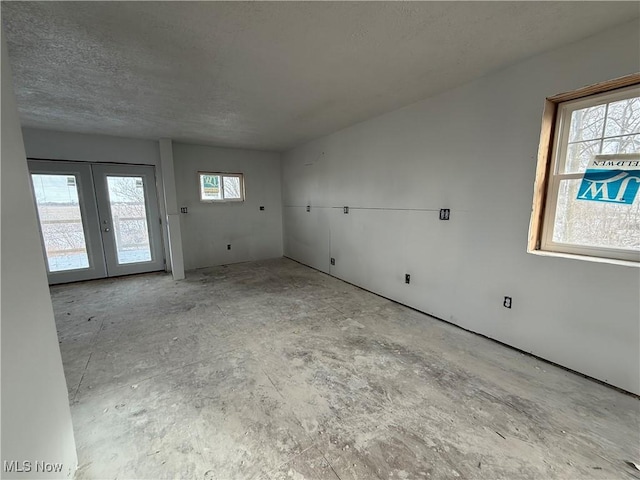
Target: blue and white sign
<point x="611" y="179"/>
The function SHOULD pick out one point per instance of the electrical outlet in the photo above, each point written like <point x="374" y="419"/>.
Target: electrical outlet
<point x="507" y="302"/>
<point x="333" y="261"/>
<point x="444" y="214"/>
<point x="308" y="208"/>
<point x="345" y="209"/>
<point x="262" y="208"/>
<point x="183" y="209"/>
<point x="229" y="247"/>
<point x="407" y="278"/>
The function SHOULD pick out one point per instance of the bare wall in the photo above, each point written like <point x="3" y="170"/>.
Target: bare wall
<point x="473" y="150"/>
<point x="84" y="147"/>
<point x="36" y="420"/>
<point x="208" y="228"/>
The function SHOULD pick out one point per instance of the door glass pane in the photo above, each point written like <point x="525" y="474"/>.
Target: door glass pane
<point x="60" y="221"/>
<point x="129" y="219"/>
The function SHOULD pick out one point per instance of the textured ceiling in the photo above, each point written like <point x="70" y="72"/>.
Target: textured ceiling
<point x="265" y="75"/>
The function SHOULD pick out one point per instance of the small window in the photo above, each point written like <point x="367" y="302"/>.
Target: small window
<point x="587" y="200"/>
<point x="221" y="187"/>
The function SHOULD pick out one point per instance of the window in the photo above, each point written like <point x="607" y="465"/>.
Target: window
<point x="586" y="197"/>
<point x="221" y="187"/>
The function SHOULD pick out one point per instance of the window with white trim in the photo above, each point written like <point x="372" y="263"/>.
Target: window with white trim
<point x="580" y="215"/>
<point x="221" y="187"/>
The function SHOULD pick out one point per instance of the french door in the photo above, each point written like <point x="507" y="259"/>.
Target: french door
<point x="97" y="220"/>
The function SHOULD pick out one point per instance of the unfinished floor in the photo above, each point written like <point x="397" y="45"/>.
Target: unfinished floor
<point x="272" y="370"/>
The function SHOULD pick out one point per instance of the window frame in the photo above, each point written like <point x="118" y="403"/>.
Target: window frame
<point x="199" y="175"/>
<point x="551" y="153"/>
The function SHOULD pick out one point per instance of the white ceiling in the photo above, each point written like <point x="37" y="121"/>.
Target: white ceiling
<point x="265" y="75"/>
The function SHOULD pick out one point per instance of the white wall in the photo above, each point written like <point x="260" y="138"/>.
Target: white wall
<point x="473" y="150"/>
<point x="36" y="420"/>
<point x="208" y="228"/>
<point x="54" y="145"/>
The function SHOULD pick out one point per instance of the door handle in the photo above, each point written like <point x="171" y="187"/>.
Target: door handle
<point x="107" y="229"/>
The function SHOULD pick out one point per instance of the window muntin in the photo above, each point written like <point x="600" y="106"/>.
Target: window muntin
<point x="221" y="187"/>
<point x="607" y="123"/>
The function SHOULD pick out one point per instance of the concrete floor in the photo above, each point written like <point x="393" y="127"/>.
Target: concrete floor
<point x="272" y="370"/>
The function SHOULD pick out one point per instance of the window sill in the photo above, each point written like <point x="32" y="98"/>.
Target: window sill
<point x="586" y="258"/>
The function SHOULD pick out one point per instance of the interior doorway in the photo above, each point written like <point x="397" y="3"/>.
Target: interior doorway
<point x="97" y="220"/>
